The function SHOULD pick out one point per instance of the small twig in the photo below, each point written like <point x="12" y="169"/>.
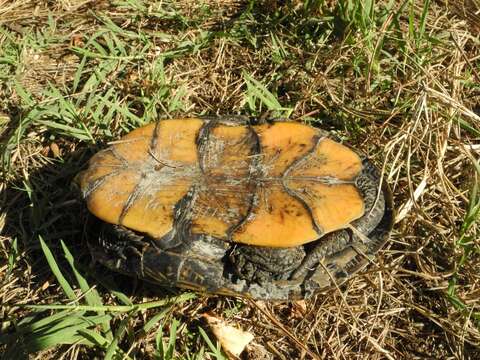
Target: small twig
<point x="474" y="70"/>
<point x="449" y="101"/>
<point x="285" y="330"/>
<point x="159" y="161"/>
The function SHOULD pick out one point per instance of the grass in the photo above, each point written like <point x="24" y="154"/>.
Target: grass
<point x="398" y="80"/>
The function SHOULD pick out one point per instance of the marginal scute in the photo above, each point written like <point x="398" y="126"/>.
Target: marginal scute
<point x="279" y="220"/>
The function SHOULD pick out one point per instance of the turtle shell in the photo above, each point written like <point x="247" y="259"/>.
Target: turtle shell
<point x="191" y="199"/>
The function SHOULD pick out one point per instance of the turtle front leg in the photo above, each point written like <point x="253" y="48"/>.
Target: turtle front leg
<point x="369" y="231"/>
<point x="337" y="256"/>
<point x="119" y="249"/>
<point x="329" y="245"/>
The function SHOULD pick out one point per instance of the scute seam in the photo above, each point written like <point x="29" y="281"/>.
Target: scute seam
<point x="254" y="168"/>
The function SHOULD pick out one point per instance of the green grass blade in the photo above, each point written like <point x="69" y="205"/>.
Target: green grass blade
<point x="91" y="295"/>
<point x="72" y="323"/>
<point x="24" y="95"/>
<point x="155" y="319"/>
<point x="172" y="338"/>
<point x="112" y="348"/>
<point x="65" y="129"/>
<point x="12" y="256"/>
<point x="30" y="325"/>
<point x="65" y="335"/>
<point x="116" y="308"/>
<point x="256" y="90"/>
<point x="216" y="350"/>
<point x="78" y="74"/>
<point x="423" y="20"/>
<point x="100" y="341"/>
<point x="67" y="289"/>
<point x="260" y="91"/>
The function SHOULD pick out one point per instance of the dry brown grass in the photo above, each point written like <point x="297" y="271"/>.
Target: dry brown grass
<point x="413" y="107"/>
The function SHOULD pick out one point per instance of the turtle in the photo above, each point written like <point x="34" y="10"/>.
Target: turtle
<point x="271" y="210"/>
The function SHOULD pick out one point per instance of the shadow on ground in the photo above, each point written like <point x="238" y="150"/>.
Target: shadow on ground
<point x="45" y="205"/>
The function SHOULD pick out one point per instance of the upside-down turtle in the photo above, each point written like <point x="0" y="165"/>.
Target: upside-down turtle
<point x="275" y="210"/>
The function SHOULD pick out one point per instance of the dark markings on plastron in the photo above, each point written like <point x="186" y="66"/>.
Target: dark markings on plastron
<point x="255" y="172"/>
<point x="117" y="156"/>
<point x="136" y="192"/>
<point x="134" y="195"/>
<point x="94" y="185"/>
<point x="293" y="194"/>
<point x="182" y="210"/>
<point x="315" y="142"/>
<point x="184" y="206"/>
<point x="316" y="139"/>
<point x="202" y="140"/>
<point x="182" y="214"/>
<point x="153" y="141"/>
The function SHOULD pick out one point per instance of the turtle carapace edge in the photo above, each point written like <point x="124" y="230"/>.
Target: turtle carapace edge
<point x="272" y="211"/>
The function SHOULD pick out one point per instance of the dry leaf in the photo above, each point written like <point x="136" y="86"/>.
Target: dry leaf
<point x="77" y="40"/>
<point x="55" y="150"/>
<point x="45" y="285"/>
<point x="232" y="340"/>
<point x="300" y="307"/>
